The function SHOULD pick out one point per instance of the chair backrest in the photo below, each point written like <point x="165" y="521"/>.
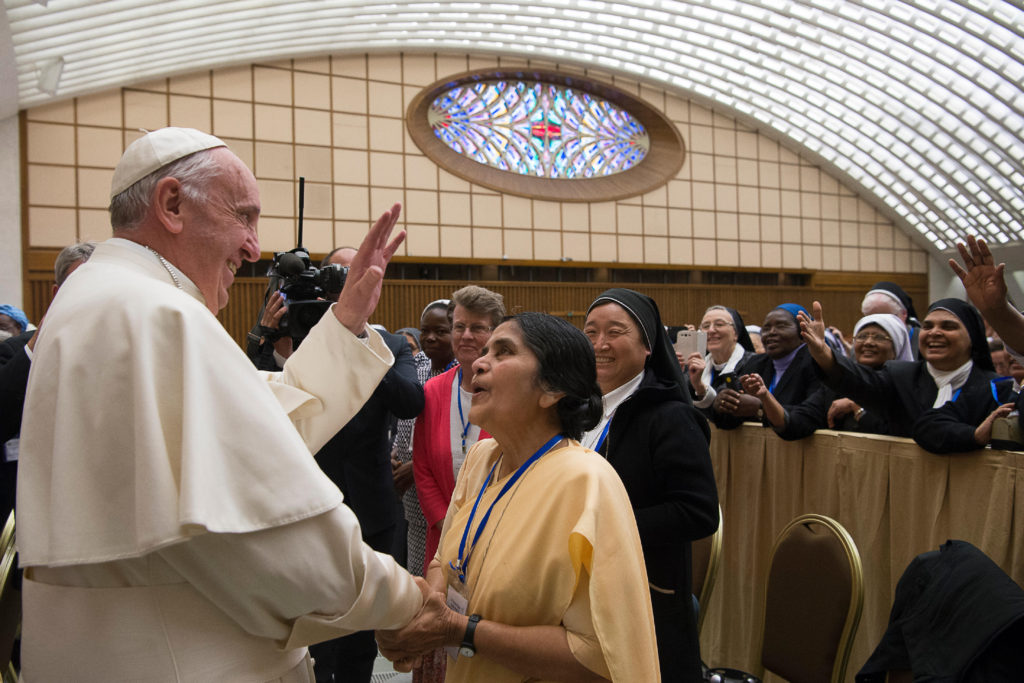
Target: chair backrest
<point x="705" y="558"/>
<point x="10" y="596"/>
<point x="813" y="601"/>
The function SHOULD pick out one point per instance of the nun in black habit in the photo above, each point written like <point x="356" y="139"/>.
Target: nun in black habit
<point x="658" y="444"/>
<point x="955" y="367"/>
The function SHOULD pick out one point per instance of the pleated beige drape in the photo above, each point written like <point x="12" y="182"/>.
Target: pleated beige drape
<point x="895" y="499"/>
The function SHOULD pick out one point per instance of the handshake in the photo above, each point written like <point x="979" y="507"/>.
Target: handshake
<point x="434" y="626"/>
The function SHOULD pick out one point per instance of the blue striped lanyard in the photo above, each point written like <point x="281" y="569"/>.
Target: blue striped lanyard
<point x="463" y="562"/>
<point x="604" y="434"/>
<point x="462" y="420"/>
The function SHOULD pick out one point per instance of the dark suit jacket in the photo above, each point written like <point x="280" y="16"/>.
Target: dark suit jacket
<point x="358" y="458"/>
<point x="658" y="444"/>
<point x="802" y="419"/>
<point x="14" y="367"/>
<point x="797" y="384"/>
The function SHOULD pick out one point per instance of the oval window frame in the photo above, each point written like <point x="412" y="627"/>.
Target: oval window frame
<point x="662" y="162"/>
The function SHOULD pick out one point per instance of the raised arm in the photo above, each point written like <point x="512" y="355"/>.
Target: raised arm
<point x="813" y="333"/>
<point x="365" y="278"/>
<point x="986" y="288"/>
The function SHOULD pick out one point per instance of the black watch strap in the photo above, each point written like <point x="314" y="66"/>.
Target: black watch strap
<point x="467" y="648"/>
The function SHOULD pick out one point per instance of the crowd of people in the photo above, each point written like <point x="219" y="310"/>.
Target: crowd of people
<point x="480" y="496"/>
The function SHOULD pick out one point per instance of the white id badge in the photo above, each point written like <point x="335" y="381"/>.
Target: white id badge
<point x="457" y="602"/>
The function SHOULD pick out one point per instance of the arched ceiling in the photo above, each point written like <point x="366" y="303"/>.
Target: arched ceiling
<point x="918" y="104"/>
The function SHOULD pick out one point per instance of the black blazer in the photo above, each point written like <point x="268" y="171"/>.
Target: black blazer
<point x="358" y="458"/>
<point x="811" y="414"/>
<point x="903" y="391"/>
<point x="658" y="444"/>
<point x="14" y="367"/>
<point x="800" y="380"/>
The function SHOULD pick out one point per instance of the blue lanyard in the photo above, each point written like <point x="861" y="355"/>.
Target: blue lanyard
<point x="463" y="561"/>
<point x="462" y="420"/>
<point x="604" y="435"/>
<point x="995" y="393"/>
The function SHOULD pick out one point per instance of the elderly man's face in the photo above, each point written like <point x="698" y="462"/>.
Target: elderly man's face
<point x="222" y="230"/>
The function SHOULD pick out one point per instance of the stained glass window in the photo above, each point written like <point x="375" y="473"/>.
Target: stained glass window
<point x="538" y="129"/>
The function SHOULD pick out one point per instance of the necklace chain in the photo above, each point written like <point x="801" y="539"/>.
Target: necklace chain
<point x="166" y="265"/>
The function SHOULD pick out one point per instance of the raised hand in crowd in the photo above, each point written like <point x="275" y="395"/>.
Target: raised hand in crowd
<point x="693" y="365"/>
<point x="271" y="319"/>
<point x="813" y="334"/>
<point x="983" y="432"/>
<point x="986" y="288"/>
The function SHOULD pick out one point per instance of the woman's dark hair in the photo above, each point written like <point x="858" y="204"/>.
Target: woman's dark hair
<point x="565" y="360"/>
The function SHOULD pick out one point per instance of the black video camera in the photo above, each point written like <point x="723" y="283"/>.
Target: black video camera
<point x="308" y="291"/>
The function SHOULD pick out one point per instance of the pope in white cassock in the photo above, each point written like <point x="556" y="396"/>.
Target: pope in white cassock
<point x="172" y="523"/>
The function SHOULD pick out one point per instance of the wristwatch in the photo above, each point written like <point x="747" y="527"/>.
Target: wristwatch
<point x="466" y="647"/>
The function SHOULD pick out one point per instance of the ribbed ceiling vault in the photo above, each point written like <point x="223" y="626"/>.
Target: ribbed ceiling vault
<point x="918" y="104"/>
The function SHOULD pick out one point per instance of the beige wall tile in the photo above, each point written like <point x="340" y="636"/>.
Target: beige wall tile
<point x="276" y="233"/>
<point x="771" y="255"/>
<point x="547" y="245"/>
<point x="705" y="252"/>
<point x="728" y="252"/>
<point x="792" y="256"/>
<point x="829" y="206"/>
<point x="704" y="196"/>
<point x="830" y="258"/>
<point x="727" y="225"/>
<point x="487" y="210"/>
<point x="156" y="85"/>
<point x="810" y="179"/>
<point x="190" y="112"/>
<point x="576" y="216"/>
<point x="702" y="167"/>
<point x="487" y="243"/>
<point x="386" y="170"/>
<point x="103" y="109"/>
<point x="349" y="65"/>
<point x="51" y="227"/>
<point x="629" y="220"/>
<point x="423" y="240"/>
<point x="656" y="250"/>
<point x="748" y="199"/>
<point x="768" y="174"/>
<point x="518" y="244"/>
<point x="385" y="99"/>
<point x="384" y="68"/>
<point x="810" y="205"/>
<point x="273" y="123"/>
<point x="51" y="185"/>
<point x="918" y="262"/>
<point x="830" y="232"/>
<point x="351" y="204"/>
<point x="700" y="115"/>
<point x="726" y="170"/>
<point x="93" y="224"/>
<point x="418" y="69"/>
<point x="867" y="213"/>
<point x="726" y="198"/>
<point x="320" y="65"/>
<point x="277" y="197"/>
<point x="749" y="228"/>
<point x="314" y="163"/>
<point x="458" y="242"/>
<point x="812" y="256"/>
<point x="232" y="119"/>
<point x="449" y="65"/>
<point x="448" y="181"/>
<point x="349" y="95"/>
<point x="866" y="235"/>
<point x="317" y="235"/>
<point x="900" y="240"/>
<point x="848" y="233"/>
<point x="884" y="235"/>
<point x="318" y="201"/>
<point x="677" y="109"/>
<point x="725" y="141"/>
<point x="631" y="249"/>
<point x="197" y="84"/>
<point x="868" y="259"/>
<point x="746" y="145"/>
<point x="602" y="217"/>
<point x="655" y="220"/>
<point x="787" y="156"/>
<point x="603" y="248"/>
<point x="750" y="254"/>
<point x="849" y="257"/>
<point x="679" y="194"/>
<point x="680" y="223"/>
<point x="455" y="208"/>
<point x="810" y="231"/>
<point x="767" y="149"/>
<point x="272" y="86"/>
<point x="349" y="233"/>
<point x="52" y="144"/>
<point x="312" y="127"/>
<point x="421" y="206"/>
<point x="144" y="110"/>
<point x="420" y="172"/>
<point x="680" y="251"/>
<point x="312" y="91"/>
<point x="790" y="205"/>
<point x="94" y="188"/>
<point x="848" y="208"/>
<point x="885" y="260"/>
<point x="656" y="197"/>
<point x="704" y="224"/>
<point x="351" y="166"/>
<point x="350" y="131"/>
<point x="771" y="228"/>
<point x="233" y="84"/>
<point x="546" y="215"/>
<point x="576" y="246"/>
<point x="58" y="112"/>
<point x="517" y="212"/>
<point x="386" y="135"/>
<point x="790" y="229"/>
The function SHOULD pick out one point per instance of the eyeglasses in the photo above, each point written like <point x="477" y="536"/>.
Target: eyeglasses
<point x="717" y="324"/>
<point x="874" y="337"/>
<point x="458" y="329"/>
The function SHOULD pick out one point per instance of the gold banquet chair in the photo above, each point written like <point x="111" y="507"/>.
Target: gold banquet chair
<point x="10" y="600"/>
<point x="705" y="558"/>
<point x="813" y="601"/>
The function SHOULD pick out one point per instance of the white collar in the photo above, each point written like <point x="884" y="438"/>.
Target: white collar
<point x="614" y="398"/>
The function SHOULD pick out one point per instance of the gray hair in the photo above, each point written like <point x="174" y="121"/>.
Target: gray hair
<point x="892" y="304"/>
<point x="193" y="172"/>
<point x="479" y="301"/>
<point x="69" y="256"/>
